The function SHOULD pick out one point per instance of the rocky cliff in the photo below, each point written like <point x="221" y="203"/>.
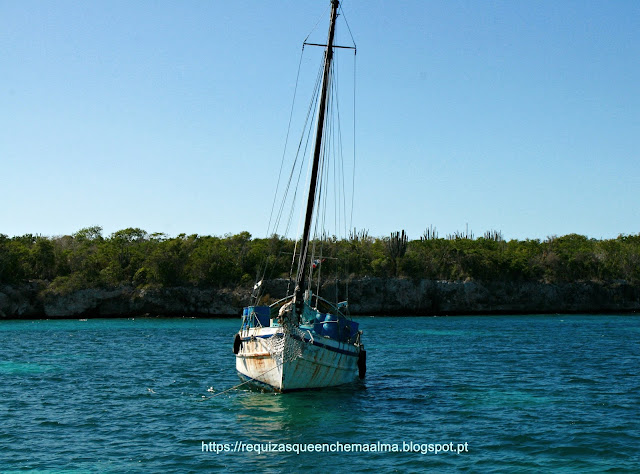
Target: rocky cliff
<point x="428" y="297"/>
<point x="368" y="296"/>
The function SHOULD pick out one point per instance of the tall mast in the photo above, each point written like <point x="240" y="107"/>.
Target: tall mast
<point x="303" y="265"/>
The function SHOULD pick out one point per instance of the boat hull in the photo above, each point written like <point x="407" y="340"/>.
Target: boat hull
<point x="306" y="363"/>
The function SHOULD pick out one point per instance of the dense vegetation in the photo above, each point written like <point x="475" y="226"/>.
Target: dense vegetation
<point x="134" y="257"/>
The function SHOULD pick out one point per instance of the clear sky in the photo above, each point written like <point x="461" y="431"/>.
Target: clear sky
<point x="517" y="116"/>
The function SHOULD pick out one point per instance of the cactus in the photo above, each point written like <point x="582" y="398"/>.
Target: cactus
<point x="458" y="235"/>
<point x="396" y="247"/>
<point x="494" y="235"/>
<point x="358" y="236"/>
<point x="429" y="234"/>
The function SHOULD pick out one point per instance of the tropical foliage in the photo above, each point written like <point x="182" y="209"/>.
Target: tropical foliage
<point x="134" y="257"/>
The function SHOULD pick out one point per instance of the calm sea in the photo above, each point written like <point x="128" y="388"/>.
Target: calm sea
<point x="525" y="393"/>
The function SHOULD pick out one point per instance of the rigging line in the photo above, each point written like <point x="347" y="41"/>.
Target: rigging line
<point x="320" y="257"/>
<point x="327" y="166"/>
<point x="320" y="200"/>
<point x="335" y="157"/>
<point x="295" y="193"/>
<point x="334" y="152"/>
<point x="320" y="195"/>
<point x="317" y="213"/>
<point x="324" y="13"/>
<point x="339" y="184"/>
<point x="353" y="171"/>
<point x="316" y="240"/>
<point x="293" y="260"/>
<point x="297" y="185"/>
<point x="319" y="238"/>
<point x="353" y="174"/>
<point x="330" y="142"/>
<point x="275" y="197"/>
<point x="342" y="182"/>
<point x="331" y="154"/>
<point x="291" y="174"/>
<point x="284" y="152"/>
<point x="286" y="141"/>
<point x="339" y="174"/>
<point x="293" y="257"/>
<point x="348" y="27"/>
<point x="304" y="250"/>
<point x="310" y="112"/>
<point x="307" y="129"/>
<point x="327" y="147"/>
<point x="337" y="208"/>
<point x="316" y="201"/>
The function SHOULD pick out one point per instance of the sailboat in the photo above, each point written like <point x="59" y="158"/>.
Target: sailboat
<point x="302" y="341"/>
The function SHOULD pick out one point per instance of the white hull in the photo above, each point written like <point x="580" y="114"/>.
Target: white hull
<point x="306" y="361"/>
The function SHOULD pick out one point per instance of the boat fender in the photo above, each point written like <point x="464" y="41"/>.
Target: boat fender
<point x="362" y="363"/>
<point x="237" y="343"/>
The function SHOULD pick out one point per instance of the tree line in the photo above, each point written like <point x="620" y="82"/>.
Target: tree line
<point x="132" y="256"/>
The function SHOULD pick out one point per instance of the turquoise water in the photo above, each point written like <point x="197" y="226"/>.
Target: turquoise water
<point x="526" y="393"/>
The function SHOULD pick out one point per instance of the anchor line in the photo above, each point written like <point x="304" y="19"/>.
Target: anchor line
<point x="241" y="384"/>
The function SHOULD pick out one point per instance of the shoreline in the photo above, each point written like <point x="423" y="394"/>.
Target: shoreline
<point x="36" y="300"/>
<point x="354" y="316"/>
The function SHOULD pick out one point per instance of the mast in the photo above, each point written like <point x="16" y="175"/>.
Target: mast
<point x="302" y="264"/>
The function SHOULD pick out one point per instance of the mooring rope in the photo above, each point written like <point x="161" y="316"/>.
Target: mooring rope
<point x="240" y="384"/>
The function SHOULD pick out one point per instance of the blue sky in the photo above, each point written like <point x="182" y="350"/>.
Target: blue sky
<point x="518" y="116"/>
